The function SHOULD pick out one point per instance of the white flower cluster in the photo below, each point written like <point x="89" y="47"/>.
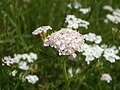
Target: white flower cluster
<point x="110" y="54"/>
<point x="85" y="10"/>
<point x="107" y="7"/>
<point x="114" y="17"/>
<point x="106" y="77"/>
<point x="77" y="5"/>
<point x="23" y="62"/>
<point x="32" y="79"/>
<point x="7" y="60"/>
<point x="66" y="41"/>
<point x="74" y="22"/>
<point x="41" y="30"/>
<point x="21" y="59"/>
<point x="91" y="52"/>
<point x="93" y="38"/>
<point x="13" y="73"/>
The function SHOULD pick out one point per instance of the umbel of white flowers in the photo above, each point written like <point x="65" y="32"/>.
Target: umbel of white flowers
<point x="75" y="23"/>
<point x="66" y="41"/>
<point x="114" y="17"/>
<point x="22" y="60"/>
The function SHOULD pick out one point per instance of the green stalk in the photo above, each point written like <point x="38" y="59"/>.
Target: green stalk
<point x="66" y="76"/>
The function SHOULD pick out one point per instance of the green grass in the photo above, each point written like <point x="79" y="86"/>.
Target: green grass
<point x="18" y="18"/>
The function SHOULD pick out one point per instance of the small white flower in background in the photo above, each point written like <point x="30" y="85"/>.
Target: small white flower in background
<point x="85" y="10"/>
<point x="114" y="17"/>
<point x="7" y="60"/>
<point x="13" y="73"/>
<point x="104" y="46"/>
<point x="32" y="79"/>
<point x="105" y="20"/>
<point x="66" y="41"/>
<point x="107" y="7"/>
<point x="110" y="54"/>
<point x="93" y="38"/>
<point x="119" y="48"/>
<point x="42" y="29"/>
<point x="91" y="52"/>
<point x="33" y="56"/>
<point x="74" y="22"/>
<point x="77" y="70"/>
<point x="106" y="77"/>
<point x="71" y="71"/>
<point x="75" y="5"/>
<point x="69" y="6"/>
<point x="23" y="65"/>
<point x="17" y="58"/>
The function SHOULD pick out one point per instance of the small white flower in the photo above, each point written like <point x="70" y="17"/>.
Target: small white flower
<point x="92" y="37"/>
<point x="78" y="70"/>
<point x="42" y="29"/>
<point x="32" y="79"/>
<point x="33" y="56"/>
<point x="107" y="7"/>
<point x="23" y="65"/>
<point x="114" y="17"/>
<point x="85" y="10"/>
<point x="104" y="46"/>
<point x="106" y="21"/>
<point x="69" y="6"/>
<point x="106" y="77"/>
<point x="110" y="54"/>
<point x="7" y="60"/>
<point x="17" y="58"/>
<point x="74" y="71"/>
<point x="70" y="72"/>
<point x="98" y="39"/>
<point x="91" y="52"/>
<point x="13" y="73"/>
<point x="119" y="48"/>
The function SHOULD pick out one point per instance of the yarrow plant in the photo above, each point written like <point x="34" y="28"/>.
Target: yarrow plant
<point x="23" y="63"/>
<point x="68" y="42"/>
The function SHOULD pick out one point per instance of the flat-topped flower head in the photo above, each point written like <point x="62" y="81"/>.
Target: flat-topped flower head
<point x="74" y="22"/>
<point x="91" y="52"/>
<point x="41" y="30"/>
<point x="110" y="54"/>
<point x="66" y="41"/>
<point x="92" y="37"/>
<point x="114" y="17"/>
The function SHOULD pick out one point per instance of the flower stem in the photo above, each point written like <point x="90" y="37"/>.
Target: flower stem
<point x="66" y="76"/>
